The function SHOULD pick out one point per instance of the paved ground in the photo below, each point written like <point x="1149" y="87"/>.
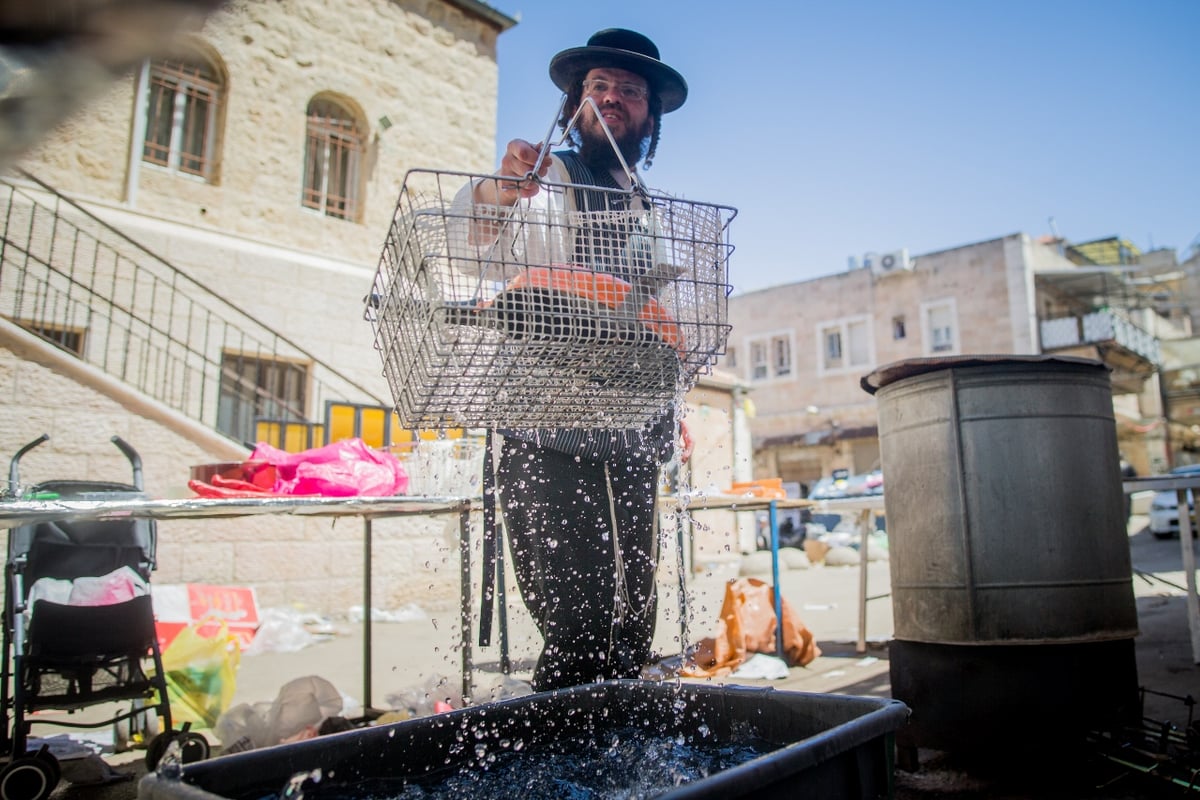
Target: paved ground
<point x="408" y="655"/>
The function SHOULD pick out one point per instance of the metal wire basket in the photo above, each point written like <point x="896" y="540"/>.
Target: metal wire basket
<point x="598" y="313"/>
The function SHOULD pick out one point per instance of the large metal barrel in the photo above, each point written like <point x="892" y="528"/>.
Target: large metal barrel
<point x="1009" y="558"/>
<point x="1004" y="501"/>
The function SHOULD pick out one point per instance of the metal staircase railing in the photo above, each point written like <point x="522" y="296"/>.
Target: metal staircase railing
<point x="77" y="282"/>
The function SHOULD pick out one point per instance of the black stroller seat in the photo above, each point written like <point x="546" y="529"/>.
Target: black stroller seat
<point x="65" y="656"/>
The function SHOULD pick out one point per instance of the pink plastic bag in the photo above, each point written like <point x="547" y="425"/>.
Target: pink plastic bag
<point x="118" y="586"/>
<point x="341" y="469"/>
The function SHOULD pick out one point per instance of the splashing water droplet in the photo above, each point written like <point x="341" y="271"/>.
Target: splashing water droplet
<point x="170" y="766"/>
<point x="294" y="788"/>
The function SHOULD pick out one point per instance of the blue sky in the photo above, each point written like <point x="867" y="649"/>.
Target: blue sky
<point x="842" y="128"/>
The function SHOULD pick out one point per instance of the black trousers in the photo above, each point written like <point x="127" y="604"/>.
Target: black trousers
<point x="590" y="590"/>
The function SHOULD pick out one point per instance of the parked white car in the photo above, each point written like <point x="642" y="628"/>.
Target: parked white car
<point x="1164" y="511"/>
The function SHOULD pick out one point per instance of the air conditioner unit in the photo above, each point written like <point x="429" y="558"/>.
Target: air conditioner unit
<point x="891" y="263"/>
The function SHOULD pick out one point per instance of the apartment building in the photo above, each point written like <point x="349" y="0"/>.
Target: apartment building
<point x="803" y="348"/>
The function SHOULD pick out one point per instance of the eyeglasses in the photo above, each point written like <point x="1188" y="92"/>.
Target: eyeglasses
<point x="628" y="91"/>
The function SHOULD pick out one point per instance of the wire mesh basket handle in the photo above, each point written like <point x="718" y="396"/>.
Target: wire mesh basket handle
<point x="635" y="183"/>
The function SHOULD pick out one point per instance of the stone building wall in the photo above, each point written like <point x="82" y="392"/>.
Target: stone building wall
<point x="427" y="65"/>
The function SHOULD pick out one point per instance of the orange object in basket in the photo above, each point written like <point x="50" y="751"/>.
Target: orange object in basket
<point x="605" y="289"/>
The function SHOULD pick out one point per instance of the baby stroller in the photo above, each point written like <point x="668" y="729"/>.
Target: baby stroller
<point x="69" y="657"/>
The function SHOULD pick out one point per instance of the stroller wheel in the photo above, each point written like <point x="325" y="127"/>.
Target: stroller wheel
<point x="29" y="778"/>
<point x="192" y="747"/>
<point x="43" y="754"/>
<point x="195" y="747"/>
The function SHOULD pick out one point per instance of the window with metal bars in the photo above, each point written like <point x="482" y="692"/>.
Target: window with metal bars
<point x="758" y="360"/>
<point x="332" y="156"/>
<point x="845" y="344"/>
<point x="181" y="116"/>
<point x="69" y="339"/>
<point x="781" y="355"/>
<point x="939" y="326"/>
<point x="253" y="388"/>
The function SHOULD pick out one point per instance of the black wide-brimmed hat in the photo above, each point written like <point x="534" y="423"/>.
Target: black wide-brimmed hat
<point x="623" y="49"/>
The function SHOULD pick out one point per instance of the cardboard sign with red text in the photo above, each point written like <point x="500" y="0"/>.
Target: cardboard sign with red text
<point x="180" y="605"/>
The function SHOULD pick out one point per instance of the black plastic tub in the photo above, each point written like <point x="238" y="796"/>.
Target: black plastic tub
<point x="817" y="745"/>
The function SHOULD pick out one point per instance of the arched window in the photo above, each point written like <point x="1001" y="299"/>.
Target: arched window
<point x="183" y="101"/>
<point x="332" y="158"/>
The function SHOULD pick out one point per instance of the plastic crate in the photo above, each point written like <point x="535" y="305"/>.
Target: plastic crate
<point x="828" y="746"/>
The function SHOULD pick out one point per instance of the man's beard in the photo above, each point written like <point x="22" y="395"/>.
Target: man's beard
<point x="597" y="152"/>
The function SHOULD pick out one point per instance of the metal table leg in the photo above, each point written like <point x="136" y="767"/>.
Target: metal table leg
<point x="864" y="527"/>
<point x="464" y="551"/>
<point x="773" y="522"/>
<point x="1186" y="537"/>
<point x="367" y="535"/>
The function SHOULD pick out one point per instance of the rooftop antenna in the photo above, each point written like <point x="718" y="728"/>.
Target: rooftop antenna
<point x="1057" y="238"/>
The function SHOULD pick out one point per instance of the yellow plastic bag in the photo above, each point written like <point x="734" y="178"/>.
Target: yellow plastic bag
<point x="201" y="672"/>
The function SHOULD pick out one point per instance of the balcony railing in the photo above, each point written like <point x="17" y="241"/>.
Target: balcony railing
<point x="1096" y="328"/>
<point x="75" y="281"/>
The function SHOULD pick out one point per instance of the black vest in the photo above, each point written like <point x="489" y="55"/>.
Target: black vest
<point x="615" y="243"/>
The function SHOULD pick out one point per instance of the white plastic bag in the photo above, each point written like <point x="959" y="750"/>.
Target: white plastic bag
<point x="280" y="630"/>
<point x="301" y="706"/>
<point x="296" y="713"/>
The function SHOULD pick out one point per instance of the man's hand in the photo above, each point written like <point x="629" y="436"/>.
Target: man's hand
<point x="519" y="159"/>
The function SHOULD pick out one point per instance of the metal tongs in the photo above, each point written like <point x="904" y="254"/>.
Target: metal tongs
<point x="635" y="183"/>
<point x="645" y="286"/>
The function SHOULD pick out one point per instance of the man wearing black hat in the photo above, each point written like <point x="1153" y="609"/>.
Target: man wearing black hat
<point x="580" y="505"/>
<point x="620" y="69"/>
